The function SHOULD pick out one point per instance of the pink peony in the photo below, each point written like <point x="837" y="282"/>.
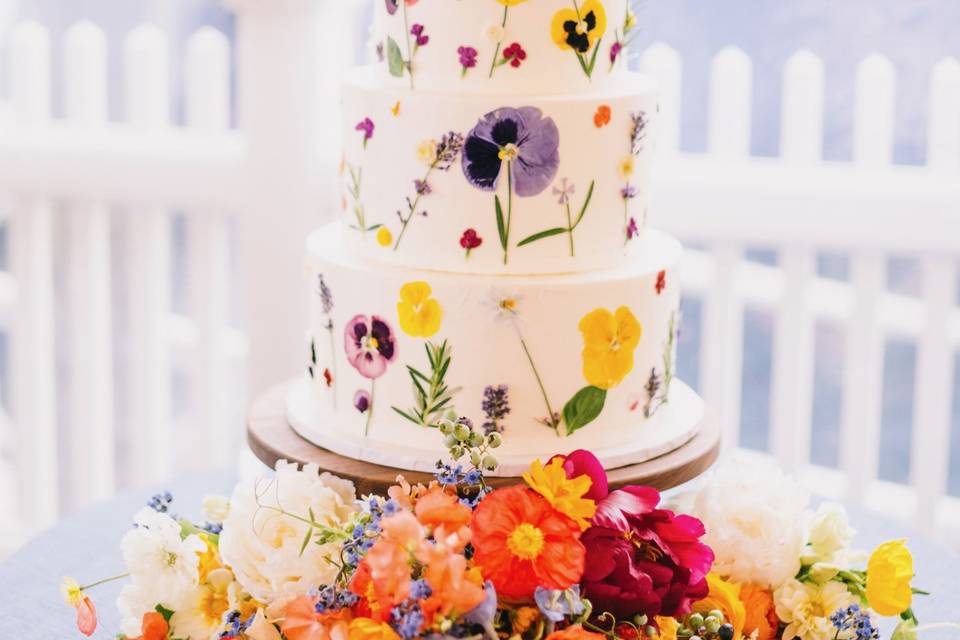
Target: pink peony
<point x="641" y="559"/>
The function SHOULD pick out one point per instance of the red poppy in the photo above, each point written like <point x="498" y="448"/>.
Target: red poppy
<point x="522" y="542"/>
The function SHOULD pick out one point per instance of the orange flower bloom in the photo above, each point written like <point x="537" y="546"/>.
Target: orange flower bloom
<point x="602" y="116"/>
<point x="575" y="632"/>
<point x="443" y="512"/>
<point x="367" y="629"/>
<point x="761" y="615"/>
<point x="452" y="589"/>
<point x="389" y="559"/>
<point x="153" y="627"/>
<point x="302" y="622"/>
<point x="362" y="584"/>
<point x="725" y="596"/>
<point x="521" y="542"/>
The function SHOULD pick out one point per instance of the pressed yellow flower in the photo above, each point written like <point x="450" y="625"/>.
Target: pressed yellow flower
<point x="609" y="340"/>
<point x="889" y="572"/>
<point x="384" y="237"/>
<point x="565" y="494"/>
<point x="579" y="30"/>
<point x="668" y="627"/>
<point x="368" y="629"/>
<point x="725" y="596"/>
<point x="630" y="21"/>
<point x="427" y="152"/>
<point x="511" y="3"/>
<point x="420" y="315"/>
<point x="626" y="167"/>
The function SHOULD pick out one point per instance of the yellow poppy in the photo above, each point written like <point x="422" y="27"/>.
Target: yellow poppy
<point x="889" y="572"/>
<point x="609" y="340"/>
<point x="724" y="596"/>
<point x="566" y="495"/>
<point x="579" y="29"/>
<point x="420" y="315"/>
<point x="384" y="237"/>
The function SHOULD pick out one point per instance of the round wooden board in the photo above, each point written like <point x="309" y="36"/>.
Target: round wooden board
<point x="271" y="438"/>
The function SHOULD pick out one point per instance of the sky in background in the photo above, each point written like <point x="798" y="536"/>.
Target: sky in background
<point x="914" y="34"/>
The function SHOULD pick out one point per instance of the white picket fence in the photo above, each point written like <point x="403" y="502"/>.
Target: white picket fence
<point x="97" y="186"/>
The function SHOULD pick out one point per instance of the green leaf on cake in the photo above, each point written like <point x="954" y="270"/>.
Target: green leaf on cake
<point x="541" y="235"/>
<point x="501" y="227"/>
<point x="584" y="407"/>
<point x="395" y="62"/>
<point x="586" y="203"/>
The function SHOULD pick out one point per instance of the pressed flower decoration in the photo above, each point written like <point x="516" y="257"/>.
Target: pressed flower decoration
<point x="437" y="156"/>
<point x="626" y="168"/>
<point x="469" y="241"/>
<point x="563" y="191"/>
<point x="580" y="29"/>
<point x="326" y="321"/>
<point x="495" y="407"/>
<point x="366" y="128"/>
<point x="657" y="387"/>
<point x="623" y="36"/>
<point x="468" y="59"/>
<point x="609" y="340"/>
<point x="415" y="37"/>
<point x="370" y="347"/>
<point x="601" y="117"/>
<point x="497" y="32"/>
<point x="523" y="144"/>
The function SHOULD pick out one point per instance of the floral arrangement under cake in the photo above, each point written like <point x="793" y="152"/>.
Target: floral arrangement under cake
<point x="560" y="556"/>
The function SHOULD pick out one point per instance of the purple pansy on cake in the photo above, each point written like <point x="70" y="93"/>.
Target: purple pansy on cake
<point x="370" y="345"/>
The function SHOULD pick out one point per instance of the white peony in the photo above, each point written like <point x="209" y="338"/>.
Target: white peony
<point x="262" y="545"/>
<point x="830" y="534"/>
<point x="156" y="555"/>
<point x="806" y="608"/>
<point x="755" y="519"/>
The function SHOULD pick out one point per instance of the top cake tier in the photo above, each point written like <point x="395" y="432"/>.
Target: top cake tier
<point x="502" y="46"/>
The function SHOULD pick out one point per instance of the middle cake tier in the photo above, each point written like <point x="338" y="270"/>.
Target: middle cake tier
<point x="495" y="183"/>
<point x="554" y="363"/>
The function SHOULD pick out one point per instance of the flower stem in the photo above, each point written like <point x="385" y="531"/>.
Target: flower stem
<point x="333" y="363"/>
<point x="570" y="229"/>
<point x="104" y="581"/>
<point x="536" y="374"/>
<point x="496" y="52"/>
<point x="366" y="427"/>
<point x="413" y="209"/>
<point x="506" y="243"/>
<point x="410" y="51"/>
<point x="626" y="220"/>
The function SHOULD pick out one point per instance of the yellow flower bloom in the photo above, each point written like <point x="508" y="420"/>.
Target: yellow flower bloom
<point x="626" y="167"/>
<point x="609" y="340"/>
<point x="579" y="30"/>
<point x="889" y="572"/>
<point x="427" y="152"/>
<point x="724" y="596"/>
<point x="630" y="21"/>
<point x="71" y="591"/>
<point x="564" y="494"/>
<point x="668" y="627"/>
<point x="367" y="629"/>
<point x="511" y="3"/>
<point x="420" y="315"/>
<point x="384" y="237"/>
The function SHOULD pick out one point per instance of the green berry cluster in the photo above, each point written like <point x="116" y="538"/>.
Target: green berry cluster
<point x="712" y="626"/>
<point x="461" y="439"/>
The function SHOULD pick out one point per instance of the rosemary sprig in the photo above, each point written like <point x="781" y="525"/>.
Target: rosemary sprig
<point x="431" y="393"/>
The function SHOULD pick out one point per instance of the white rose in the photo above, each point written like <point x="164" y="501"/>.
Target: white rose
<point x="216" y="508"/>
<point x="830" y="532"/>
<point x="262" y="545"/>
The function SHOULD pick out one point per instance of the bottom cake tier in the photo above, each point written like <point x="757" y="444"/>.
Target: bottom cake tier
<point x="553" y="363"/>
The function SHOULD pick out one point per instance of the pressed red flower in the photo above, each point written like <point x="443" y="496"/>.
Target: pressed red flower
<point x="521" y="542"/>
<point x="661" y="281"/>
<point x="470" y="240"/>
<point x="515" y="54"/>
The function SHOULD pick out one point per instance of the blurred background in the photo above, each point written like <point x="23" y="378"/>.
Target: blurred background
<point x="162" y="160"/>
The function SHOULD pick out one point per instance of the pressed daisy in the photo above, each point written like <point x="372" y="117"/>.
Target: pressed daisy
<point x="565" y="494"/>
<point x="522" y="542"/>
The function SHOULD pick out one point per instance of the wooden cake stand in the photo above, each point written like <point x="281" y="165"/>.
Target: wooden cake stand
<point x="271" y="438"/>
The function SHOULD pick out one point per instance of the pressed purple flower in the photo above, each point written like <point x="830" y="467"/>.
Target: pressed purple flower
<point x="564" y="190"/>
<point x="422" y="187"/>
<point x="365" y="127"/>
<point x="495" y="406"/>
<point x="369" y="345"/>
<point x="628" y="191"/>
<point x="420" y="38"/>
<point x="468" y="57"/>
<point x="326" y="296"/>
<point x="523" y="137"/>
<point x="632" y="230"/>
<point x="361" y="400"/>
<point x="392" y="6"/>
<point x="615" y="50"/>
<point x="638" y="131"/>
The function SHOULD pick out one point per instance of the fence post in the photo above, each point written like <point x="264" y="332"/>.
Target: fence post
<point x="933" y="388"/>
<point x="147" y="102"/>
<point x="721" y="357"/>
<point x="91" y="363"/>
<point x="791" y="405"/>
<point x="283" y="117"/>
<point x="33" y="376"/>
<point x="862" y="401"/>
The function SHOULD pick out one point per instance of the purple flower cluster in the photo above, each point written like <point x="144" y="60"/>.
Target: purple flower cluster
<point x="468" y="57"/>
<point x="326" y="296"/>
<point x="638" y="131"/>
<point x="632" y="230"/>
<point x="856" y="620"/>
<point x="365" y="127"/>
<point x="420" y="38"/>
<point x="495" y="406"/>
<point x="450" y="145"/>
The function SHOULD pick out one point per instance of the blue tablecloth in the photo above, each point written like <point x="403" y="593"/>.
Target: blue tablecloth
<point x="86" y="546"/>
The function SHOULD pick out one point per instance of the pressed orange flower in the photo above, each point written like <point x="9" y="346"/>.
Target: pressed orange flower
<point x="367" y="629"/>
<point x="602" y="116"/>
<point x="761" y="616"/>
<point x="522" y="542"/>
<point x="724" y="596"/>
<point x="302" y="622"/>
<point x="575" y="632"/>
<point x="452" y="589"/>
<point x="442" y="511"/>
<point x="565" y="494"/>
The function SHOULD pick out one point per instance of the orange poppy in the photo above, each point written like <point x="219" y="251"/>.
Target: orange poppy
<point x="522" y="542"/>
<point x="153" y="627"/>
<point x="575" y="632"/>
<point x="602" y="116"/>
<point x="761" y="615"/>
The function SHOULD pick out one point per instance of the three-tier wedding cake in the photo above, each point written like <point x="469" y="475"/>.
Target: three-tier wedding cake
<point x="492" y="258"/>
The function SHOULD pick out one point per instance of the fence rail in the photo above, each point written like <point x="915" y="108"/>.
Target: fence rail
<point x="120" y="188"/>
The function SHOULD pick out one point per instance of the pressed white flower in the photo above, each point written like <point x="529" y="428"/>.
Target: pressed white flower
<point x="806" y="608"/>
<point x="216" y="508"/>
<point x="496" y="32"/>
<point x="262" y="545"/>
<point x="156" y="555"/>
<point x="504" y="305"/>
<point x="427" y="152"/>
<point x="756" y="522"/>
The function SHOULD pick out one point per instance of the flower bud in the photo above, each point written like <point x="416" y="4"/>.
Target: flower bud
<point x="489" y="463"/>
<point x="494" y="440"/>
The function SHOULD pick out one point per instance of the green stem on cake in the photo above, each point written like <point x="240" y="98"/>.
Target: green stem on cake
<point x="551" y="416"/>
<point x="410" y="51"/>
<point x="496" y="52"/>
<point x="366" y="428"/>
<point x="626" y="221"/>
<point x="413" y="208"/>
<point x="506" y="237"/>
<point x="333" y="363"/>
<point x="569" y="229"/>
